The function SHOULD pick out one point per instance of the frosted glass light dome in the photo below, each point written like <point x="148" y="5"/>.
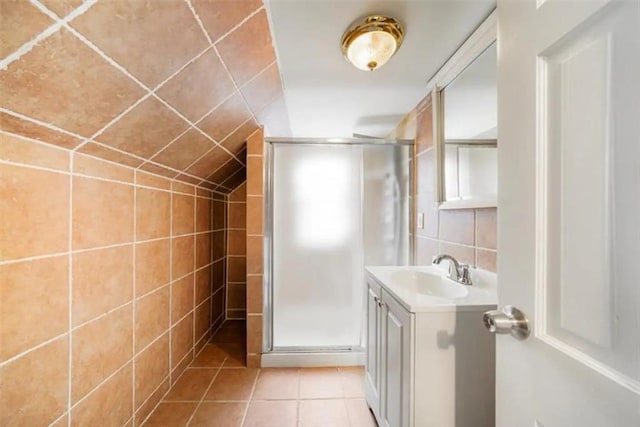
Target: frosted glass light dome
<point x="369" y="45"/>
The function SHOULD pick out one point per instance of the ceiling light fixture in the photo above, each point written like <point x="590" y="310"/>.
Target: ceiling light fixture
<point x="370" y="44"/>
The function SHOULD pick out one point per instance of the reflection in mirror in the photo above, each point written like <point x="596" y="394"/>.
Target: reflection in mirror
<point x="470" y="133"/>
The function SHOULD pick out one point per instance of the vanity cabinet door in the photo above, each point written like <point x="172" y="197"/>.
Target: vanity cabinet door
<point x="373" y="365"/>
<point x="397" y="350"/>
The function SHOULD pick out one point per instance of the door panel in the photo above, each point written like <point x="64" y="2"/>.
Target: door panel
<point x="569" y="167"/>
<point x="580" y="77"/>
<point x="373" y="345"/>
<point x="317" y="246"/>
<point x="393" y="386"/>
<point x="396" y="366"/>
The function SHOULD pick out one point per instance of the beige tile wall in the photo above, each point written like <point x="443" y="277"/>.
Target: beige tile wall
<point x="106" y="284"/>
<point x="219" y="267"/>
<point x="172" y="87"/>
<point x="237" y="253"/>
<point x="254" y="245"/>
<point x="467" y="234"/>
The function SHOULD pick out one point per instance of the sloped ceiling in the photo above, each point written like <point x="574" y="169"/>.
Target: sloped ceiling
<point x="173" y="87"/>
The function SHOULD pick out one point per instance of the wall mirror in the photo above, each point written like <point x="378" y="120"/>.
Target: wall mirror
<point x="467" y="142"/>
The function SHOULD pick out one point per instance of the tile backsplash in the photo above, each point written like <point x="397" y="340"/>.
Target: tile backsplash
<point x="110" y="284"/>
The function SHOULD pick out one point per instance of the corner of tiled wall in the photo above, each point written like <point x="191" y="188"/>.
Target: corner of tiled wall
<point x="237" y="254"/>
<point x="255" y="237"/>
<point x="219" y="256"/>
<point x="106" y="285"/>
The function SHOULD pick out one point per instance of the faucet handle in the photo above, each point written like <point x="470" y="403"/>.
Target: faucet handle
<point x="464" y="275"/>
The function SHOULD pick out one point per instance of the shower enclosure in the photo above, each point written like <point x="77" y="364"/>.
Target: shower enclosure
<point x="333" y="206"/>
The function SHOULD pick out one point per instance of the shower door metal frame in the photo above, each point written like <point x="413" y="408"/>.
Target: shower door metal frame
<point x="267" y="338"/>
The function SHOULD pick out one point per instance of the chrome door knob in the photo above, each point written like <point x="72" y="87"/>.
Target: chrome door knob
<point x="509" y="320"/>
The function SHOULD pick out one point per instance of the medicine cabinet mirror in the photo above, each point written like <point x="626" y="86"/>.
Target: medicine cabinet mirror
<point x="467" y="142"/>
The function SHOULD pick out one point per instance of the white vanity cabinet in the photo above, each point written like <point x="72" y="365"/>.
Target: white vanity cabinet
<point x="428" y="368"/>
<point x="388" y="358"/>
<point x="373" y="367"/>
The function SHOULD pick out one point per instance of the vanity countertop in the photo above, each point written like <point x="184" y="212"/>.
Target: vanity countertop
<point x="400" y="282"/>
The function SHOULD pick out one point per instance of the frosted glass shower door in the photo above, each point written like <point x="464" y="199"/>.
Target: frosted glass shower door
<point x="317" y="246"/>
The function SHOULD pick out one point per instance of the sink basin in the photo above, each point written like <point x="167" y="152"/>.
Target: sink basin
<point x="428" y="284"/>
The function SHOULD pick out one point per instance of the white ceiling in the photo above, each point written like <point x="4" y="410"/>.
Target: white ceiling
<point x="328" y="97"/>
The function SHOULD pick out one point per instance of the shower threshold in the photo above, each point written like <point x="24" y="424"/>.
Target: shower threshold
<point x="312" y="357"/>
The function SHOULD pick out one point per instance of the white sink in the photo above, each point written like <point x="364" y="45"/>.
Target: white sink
<point x="428" y="284"/>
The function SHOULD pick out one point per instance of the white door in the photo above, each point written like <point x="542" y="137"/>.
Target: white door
<point x="569" y="212"/>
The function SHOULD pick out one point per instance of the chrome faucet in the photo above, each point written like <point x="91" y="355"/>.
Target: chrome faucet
<point x="457" y="272"/>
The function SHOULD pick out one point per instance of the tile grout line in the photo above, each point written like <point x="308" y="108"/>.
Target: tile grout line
<point x="239" y="24"/>
<point x="258" y="74"/>
<point x="70" y="331"/>
<point x="298" y="399"/>
<point x="61" y="336"/>
<point x="220" y="168"/>
<point x="112" y="246"/>
<point x="36" y="167"/>
<point x="168" y="377"/>
<point x="204" y="395"/>
<point x="253" y="390"/>
<point x="70" y="284"/>
<point x="195" y="15"/>
<point x="87" y="140"/>
<point x="64" y="414"/>
<point x="43" y="124"/>
<point x="226" y="263"/>
<point x="218" y="105"/>
<point x="475" y="238"/>
<point x="32" y="258"/>
<point x="151" y="395"/>
<point x="150" y="92"/>
<point x="217" y="145"/>
<point x="91" y="321"/>
<point x="64" y="23"/>
<point x="183" y="117"/>
<point x="211" y="284"/>
<point x="120" y="165"/>
<point x="193" y="280"/>
<point x="170" y="308"/>
<point x="144" y="160"/>
<point x="111" y="162"/>
<point x="28" y="46"/>
<point x="344" y="394"/>
<point x="234" y="174"/>
<point x="195" y="123"/>
<point x="43" y="35"/>
<point x="134" y="298"/>
<point x="226" y="258"/>
<point x="151" y="157"/>
<point x="235" y="84"/>
<point x="97" y="387"/>
<point x="224" y="64"/>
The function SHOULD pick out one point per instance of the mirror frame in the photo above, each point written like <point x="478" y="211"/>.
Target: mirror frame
<point x="481" y="39"/>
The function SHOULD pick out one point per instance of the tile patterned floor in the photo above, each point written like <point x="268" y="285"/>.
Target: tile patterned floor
<point x="218" y="391"/>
